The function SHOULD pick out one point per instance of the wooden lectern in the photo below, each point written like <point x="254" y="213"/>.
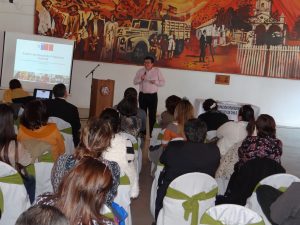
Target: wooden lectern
<point x="102" y="96"/>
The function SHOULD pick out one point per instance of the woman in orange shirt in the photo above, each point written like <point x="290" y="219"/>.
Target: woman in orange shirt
<point x="34" y="125"/>
<point x="183" y="112"/>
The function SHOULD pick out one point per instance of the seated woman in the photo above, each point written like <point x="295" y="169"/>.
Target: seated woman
<point x="130" y="122"/>
<point x="82" y="192"/>
<point x="264" y="145"/>
<point x="15" y="91"/>
<point x="167" y="116"/>
<point x="12" y="152"/>
<point x="212" y="116"/>
<point x="34" y="125"/>
<point x="95" y="138"/>
<point x="183" y="112"/>
<point x="121" y="150"/>
<point x="233" y="132"/>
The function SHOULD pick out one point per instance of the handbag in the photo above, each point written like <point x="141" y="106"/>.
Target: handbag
<point x="119" y="212"/>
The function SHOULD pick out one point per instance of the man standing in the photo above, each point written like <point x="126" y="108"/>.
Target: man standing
<point x="149" y="79"/>
<point x="60" y="108"/>
<point x="202" y="46"/>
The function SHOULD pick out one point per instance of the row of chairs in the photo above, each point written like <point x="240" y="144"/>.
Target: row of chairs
<point x="195" y="203"/>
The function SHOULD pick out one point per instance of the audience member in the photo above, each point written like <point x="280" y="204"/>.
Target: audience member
<point x="212" y="116"/>
<point x="118" y="151"/>
<point x="130" y="122"/>
<point x="244" y="180"/>
<point x="12" y="152"/>
<point x="42" y="215"/>
<point x="231" y="135"/>
<point x="95" y="138"/>
<point x="181" y="157"/>
<point x="34" y="125"/>
<point x="183" y="112"/>
<point x="281" y="208"/>
<point x="264" y="145"/>
<point x="232" y="132"/>
<point x="167" y="116"/>
<point x="82" y="192"/>
<point x="140" y="112"/>
<point x="15" y="91"/>
<point x="64" y="110"/>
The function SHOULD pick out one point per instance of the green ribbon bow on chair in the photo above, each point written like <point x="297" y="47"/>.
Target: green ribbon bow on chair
<point x="191" y="205"/>
<point x="207" y="219"/>
<point x="67" y="130"/>
<point x="46" y="158"/>
<point x="135" y="146"/>
<point x="1" y="202"/>
<point x="11" y="179"/>
<point x="124" y="180"/>
<point x="282" y="189"/>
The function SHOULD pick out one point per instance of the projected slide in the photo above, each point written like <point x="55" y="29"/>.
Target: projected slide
<point x="43" y="62"/>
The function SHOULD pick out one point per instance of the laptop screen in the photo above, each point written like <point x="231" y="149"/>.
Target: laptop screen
<point x="42" y="93"/>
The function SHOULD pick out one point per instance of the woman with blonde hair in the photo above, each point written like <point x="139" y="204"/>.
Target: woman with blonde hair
<point x="183" y="112"/>
<point x="95" y="138"/>
<point x="82" y="193"/>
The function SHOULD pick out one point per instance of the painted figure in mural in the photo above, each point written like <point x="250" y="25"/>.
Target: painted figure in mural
<point x="149" y="78"/>
<point x="154" y="46"/>
<point x="110" y="32"/>
<point x="46" y="23"/>
<point x="171" y="45"/>
<point x="163" y="42"/>
<point x="202" y="46"/>
<point x="73" y="23"/>
<point x="95" y="28"/>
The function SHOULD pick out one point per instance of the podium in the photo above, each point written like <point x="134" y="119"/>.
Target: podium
<point x="102" y="96"/>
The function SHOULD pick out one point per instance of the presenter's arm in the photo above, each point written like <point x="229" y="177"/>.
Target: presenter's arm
<point x="138" y="77"/>
<point x="160" y="79"/>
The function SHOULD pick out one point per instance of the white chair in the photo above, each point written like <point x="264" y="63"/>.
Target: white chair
<point x="187" y="198"/>
<point x="15" y="199"/>
<point x="65" y="129"/>
<point x="229" y="214"/>
<point x="123" y="196"/>
<point x="137" y="151"/>
<point x="154" y="186"/>
<point x="279" y="181"/>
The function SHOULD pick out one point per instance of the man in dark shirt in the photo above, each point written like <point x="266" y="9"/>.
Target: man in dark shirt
<point x="181" y="157"/>
<point x="62" y="109"/>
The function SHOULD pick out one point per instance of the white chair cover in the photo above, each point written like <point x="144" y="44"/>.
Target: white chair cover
<point x="211" y="134"/>
<point x="278" y="181"/>
<point x="68" y="138"/>
<point x="190" y="184"/>
<point x="123" y="199"/>
<point x="15" y="198"/>
<point x="229" y="214"/>
<point x="43" y="177"/>
<point x="137" y="151"/>
<point x="153" y="193"/>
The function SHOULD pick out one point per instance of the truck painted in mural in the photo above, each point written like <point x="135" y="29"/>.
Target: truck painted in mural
<point x="137" y="40"/>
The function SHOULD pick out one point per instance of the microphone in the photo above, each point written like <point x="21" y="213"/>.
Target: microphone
<point x="93" y="70"/>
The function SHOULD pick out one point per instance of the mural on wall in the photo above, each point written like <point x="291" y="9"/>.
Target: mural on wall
<point x="250" y="37"/>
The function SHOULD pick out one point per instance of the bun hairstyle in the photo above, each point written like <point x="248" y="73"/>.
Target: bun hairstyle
<point x="210" y="104"/>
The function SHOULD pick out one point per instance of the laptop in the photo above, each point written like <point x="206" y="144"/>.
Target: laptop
<point x="42" y="93"/>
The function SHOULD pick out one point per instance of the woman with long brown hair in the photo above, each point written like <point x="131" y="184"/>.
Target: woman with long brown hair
<point x="82" y="193"/>
<point x="183" y="112"/>
<point x="95" y="138"/>
<point x="12" y="152"/>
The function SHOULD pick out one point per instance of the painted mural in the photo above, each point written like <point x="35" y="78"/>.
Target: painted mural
<point x="250" y="37"/>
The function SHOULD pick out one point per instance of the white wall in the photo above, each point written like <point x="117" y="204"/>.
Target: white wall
<point x="277" y="97"/>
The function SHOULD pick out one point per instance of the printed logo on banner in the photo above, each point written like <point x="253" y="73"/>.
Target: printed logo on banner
<point x="46" y="47"/>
